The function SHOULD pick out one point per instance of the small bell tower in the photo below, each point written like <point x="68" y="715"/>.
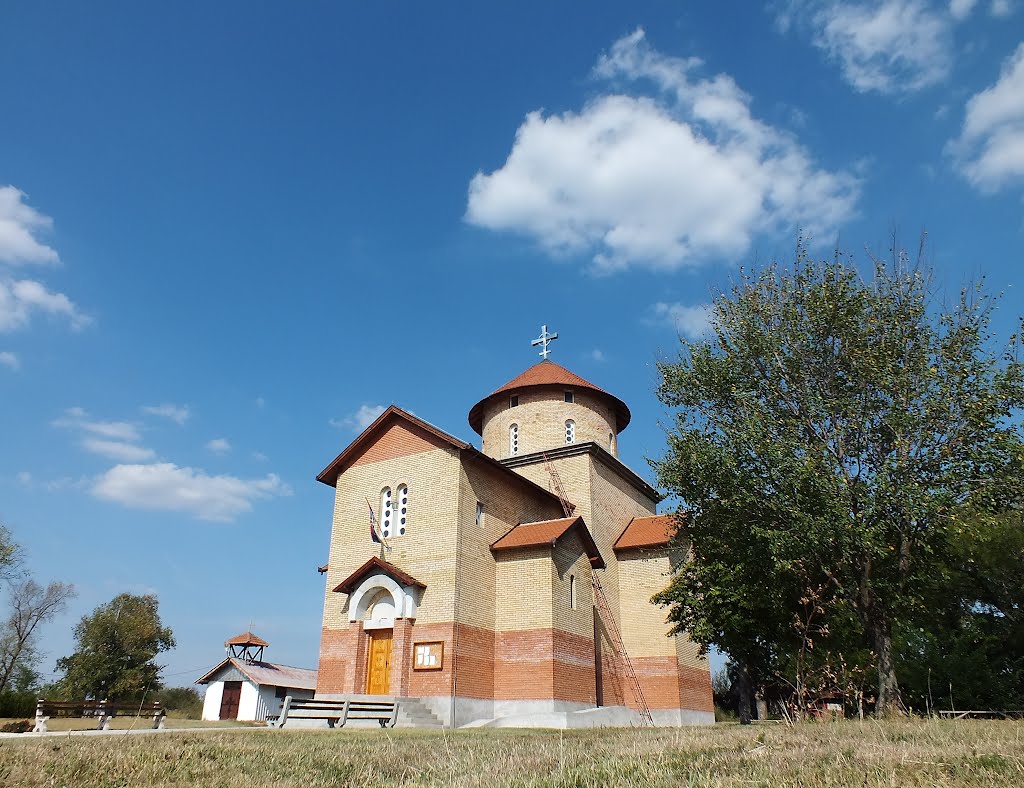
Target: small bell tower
<point x="246" y="647"/>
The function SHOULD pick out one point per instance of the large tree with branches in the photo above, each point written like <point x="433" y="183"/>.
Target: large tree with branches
<point x="836" y="432"/>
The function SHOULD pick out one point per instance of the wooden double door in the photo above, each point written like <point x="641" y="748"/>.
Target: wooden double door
<point x="229" y="700"/>
<point x="378" y="662"/>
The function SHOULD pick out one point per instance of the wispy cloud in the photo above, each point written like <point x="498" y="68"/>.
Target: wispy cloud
<point x="1001" y="8"/>
<point x="168" y="487"/>
<point x="361" y="419"/>
<point x="78" y="418"/>
<point x="20" y="299"/>
<point x="179" y="414"/>
<point x="8" y="359"/>
<point x="691" y="321"/>
<point x="662" y="181"/>
<point x="989" y="152"/>
<point x="117" y="450"/>
<point x="20" y="224"/>
<point x="219" y="446"/>
<point x="961" y="9"/>
<point x="885" y="46"/>
<point x="597" y="355"/>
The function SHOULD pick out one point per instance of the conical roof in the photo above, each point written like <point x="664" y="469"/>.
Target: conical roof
<point x="246" y="639"/>
<point x="548" y="374"/>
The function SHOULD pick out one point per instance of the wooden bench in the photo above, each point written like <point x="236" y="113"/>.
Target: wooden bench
<point x="337" y="712"/>
<point x="103" y="710"/>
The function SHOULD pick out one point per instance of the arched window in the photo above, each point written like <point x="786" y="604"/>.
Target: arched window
<point x="611" y="441"/>
<point x="513" y="439"/>
<point x="403" y="508"/>
<point x="570" y="431"/>
<point x="387" y="512"/>
<point x="572" y="592"/>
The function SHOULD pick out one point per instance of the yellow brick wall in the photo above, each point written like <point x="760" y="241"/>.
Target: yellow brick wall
<point x="541" y="417"/>
<point x="524" y="589"/>
<point x="506" y="503"/>
<point x="644" y="628"/>
<point x="426" y="551"/>
<point x="569" y="559"/>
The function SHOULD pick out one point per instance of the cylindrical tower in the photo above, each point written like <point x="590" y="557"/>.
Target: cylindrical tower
<point x="545" y="408"/>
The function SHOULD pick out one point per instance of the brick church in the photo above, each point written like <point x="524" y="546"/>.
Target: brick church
<point x="510" y="584"/>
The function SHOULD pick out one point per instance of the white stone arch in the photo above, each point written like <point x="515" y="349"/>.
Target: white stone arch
<point x="404" y="598"/>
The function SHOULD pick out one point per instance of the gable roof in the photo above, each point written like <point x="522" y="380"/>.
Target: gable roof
<point x="548" y="533"/>
<point x="330" y="474"/>
<point x="246" y="639"/>
<point x="377" y="565"/>
<point x="650" y="532"/>
<point x="265" y="674"/>
<point x="548" y="374"/>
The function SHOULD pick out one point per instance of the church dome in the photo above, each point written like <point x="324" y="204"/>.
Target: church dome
<point x="545" y="407"/>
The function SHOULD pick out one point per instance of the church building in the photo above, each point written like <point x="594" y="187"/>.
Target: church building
<point x="508" y="585"/>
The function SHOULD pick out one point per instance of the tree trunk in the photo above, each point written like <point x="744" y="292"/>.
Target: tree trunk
<point x="746" y="691"/>
<point x="762" y="704"/>
<point x="889" y="701"/>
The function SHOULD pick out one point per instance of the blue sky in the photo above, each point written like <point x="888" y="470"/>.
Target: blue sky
<point x="231" y="233"/>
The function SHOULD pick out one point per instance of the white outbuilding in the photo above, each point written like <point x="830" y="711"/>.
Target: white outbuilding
<point x="244" y="687"/>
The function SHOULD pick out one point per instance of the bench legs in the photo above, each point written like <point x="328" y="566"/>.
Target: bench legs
<point x="40" y="724"/>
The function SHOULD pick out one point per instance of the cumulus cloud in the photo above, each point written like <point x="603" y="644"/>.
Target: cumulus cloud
<point x="20" y="224"/>
<point x="117" y="450"/>
<point x="662" y="181"/>
<point x="361" y="419"/>
<point x="1001" y="8"/>
<point x="691" y="321"/>
<point x="8" y="359"/>
<point x="990" y="149"/>
<point x="21" y="298"/>
<point x="886" y="46"/>
<point x="219" y="446"/>
<point x="168" y="487"/>
<point x="179" y="414"/>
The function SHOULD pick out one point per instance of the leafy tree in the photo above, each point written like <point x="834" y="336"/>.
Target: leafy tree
<point x="832" y="433"/>
<point x="117" y="648"/>
<point x="185" y="701"/>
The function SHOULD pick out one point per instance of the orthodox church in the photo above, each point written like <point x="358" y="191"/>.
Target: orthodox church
<point x="508" y="585"/>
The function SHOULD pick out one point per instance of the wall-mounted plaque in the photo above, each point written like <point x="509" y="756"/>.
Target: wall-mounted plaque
<point x="428" y="656"/>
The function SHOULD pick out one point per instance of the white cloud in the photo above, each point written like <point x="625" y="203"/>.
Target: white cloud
<point x="219" y="446"/>
<point x="8" y="359"/>
<point x="990" y="150"/>
<point x="361" y="419"/>
<point x="77" y="418"/>
<point x="117" y="450"/>
<point x="19" y="226"/>
<point x="597" y="355"/>
<point x="167" y="487"/>
<point x="662" y="182"/>
<point x="20" y="298"/>
<point x="179" y="414"/>
<point x="961" y="9"/>
<point x="1001" y="8"/>
<point x="24" y="478"/>
<point x="690" y="321"/>
<point x="887" y="46"/>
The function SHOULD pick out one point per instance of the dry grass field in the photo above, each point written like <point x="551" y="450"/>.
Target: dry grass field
<point x="902" y="753"/>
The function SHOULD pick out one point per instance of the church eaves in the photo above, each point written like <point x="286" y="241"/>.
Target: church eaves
<point x="547" y="533"/>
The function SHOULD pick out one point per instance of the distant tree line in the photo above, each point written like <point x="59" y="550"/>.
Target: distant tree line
<point x="847" y="455"/>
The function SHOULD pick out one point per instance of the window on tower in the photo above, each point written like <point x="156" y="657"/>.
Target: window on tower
<point x="513" y="439"/>
<point x="513" y="401"/>
<point x="403" y="508"/>
<point x="387" y="512"/>
<point x="570" y="431"/>
<point x="569" y="397"/>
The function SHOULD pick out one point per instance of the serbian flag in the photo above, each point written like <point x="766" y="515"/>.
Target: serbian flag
<point x="373" y="525"/>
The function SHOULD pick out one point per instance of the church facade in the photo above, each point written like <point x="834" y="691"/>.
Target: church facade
<point x="511" y="584"/>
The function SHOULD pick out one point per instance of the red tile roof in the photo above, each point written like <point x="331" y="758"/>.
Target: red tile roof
<point x="246" y="639"/>
<point x="547" y="533"/>
<point x="548" y="374"/>
<point x="266" y="674"/>
<point x="654" y="531"/>
<point x="376" y="565"/>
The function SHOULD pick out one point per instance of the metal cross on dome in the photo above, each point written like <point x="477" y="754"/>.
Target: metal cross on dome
<point x="544" y="340"/>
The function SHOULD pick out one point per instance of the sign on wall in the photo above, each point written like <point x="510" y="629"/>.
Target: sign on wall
<point x="428" y="655"/>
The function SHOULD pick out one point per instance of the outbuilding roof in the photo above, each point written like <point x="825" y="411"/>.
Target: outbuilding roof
<point x="654" y="531"/>
<point x="548" y="533"/>
<point x="548" y="374"/>
<point x="266" y="674"/>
